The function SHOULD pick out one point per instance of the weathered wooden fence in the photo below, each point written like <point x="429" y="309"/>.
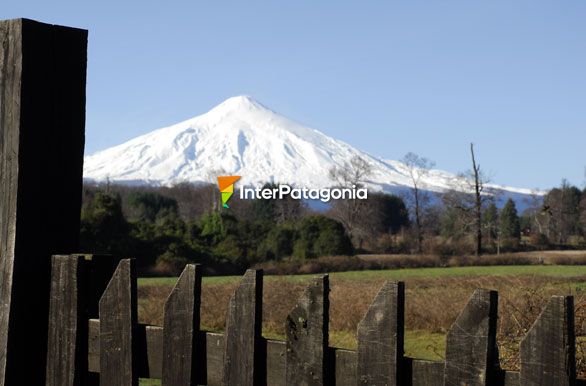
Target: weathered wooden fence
<point x="111" y="346"/>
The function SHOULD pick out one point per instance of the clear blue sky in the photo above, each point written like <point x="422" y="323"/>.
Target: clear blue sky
<point x="387" y="77"/>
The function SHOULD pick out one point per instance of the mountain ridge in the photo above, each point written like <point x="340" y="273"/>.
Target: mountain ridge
<point x="241" y="136"/>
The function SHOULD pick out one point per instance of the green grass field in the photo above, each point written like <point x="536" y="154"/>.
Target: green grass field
<point x="402" y="274"/>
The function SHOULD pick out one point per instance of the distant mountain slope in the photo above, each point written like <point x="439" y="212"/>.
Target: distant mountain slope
<point x="242" y="137"/>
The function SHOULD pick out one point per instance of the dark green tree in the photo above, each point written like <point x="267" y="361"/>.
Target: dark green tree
<point x="216" y="226"/>
<point x="491" y="223"/>
<point x="277" y="244"/>
<point x="452" y="224"/>
<point x="509" y="221"/>
<point x="103" y="226"/>
<point x="265" y="210"/>
<point x="147" y="206"/>
<point x="583" y="213"/>
<point x="390" y="212"/>
<point x="321" y="236"/>
<point x="251" y="235"/>
<point x="561" y="207"/>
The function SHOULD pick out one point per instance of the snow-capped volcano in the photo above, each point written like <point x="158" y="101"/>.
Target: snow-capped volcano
<point x="242" y="137"/>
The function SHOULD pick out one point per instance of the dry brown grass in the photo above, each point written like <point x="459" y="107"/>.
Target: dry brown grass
<point x="378" y="262"/>
<point x="432" y="304"/>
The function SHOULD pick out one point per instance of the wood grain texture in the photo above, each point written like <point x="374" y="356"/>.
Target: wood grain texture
<point x="307" y="336"/>
<point x="471" y="342"/>
<point x="42" y="118"/>
<point x="67" y="343"/>
<point x="345" y="364"/>
<point x="243" y="361"/>
<point x="10" y="96"/>
<point x="380" y="338"/>
<point x="427" y="373"/>
<point x="181" y="329"/>
<point x="548" y="351"/>
<point x="118" y="328"/>
<point x="276" y="372"/>
<point x="214" y="358"/>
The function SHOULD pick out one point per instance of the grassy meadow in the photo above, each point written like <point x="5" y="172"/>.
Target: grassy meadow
<point x="434" y="297"/>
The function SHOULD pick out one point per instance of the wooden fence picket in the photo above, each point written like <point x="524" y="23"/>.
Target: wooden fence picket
<point x="548" y="351"/>
<point x="181" y="329"/>
<point x="67" y="341"/>
<point x="471" y="343"/>
<point x="307" y="330"/>
<point x="243" y="358"/>
<point x="118" y="325"/>
<point x="380" y="338"/>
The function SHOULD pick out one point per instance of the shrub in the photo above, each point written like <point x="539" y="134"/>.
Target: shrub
<point x="539" y="241"/>
<point x="277" y="244"/>
<point x="230" y="250"/>
<point x="440" y="246"/>
<point x="320" y="236"/>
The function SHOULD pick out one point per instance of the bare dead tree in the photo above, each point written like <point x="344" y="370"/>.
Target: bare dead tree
<point x="289" y="209"/>
<point x="478" y="188"/>
<point x="582" y="207"/>
<point x="352" y="212"/>
<point x="354" y="173"/>
<point x="213" y="196"/>
<point x="468" y="197"/>
<point x="417" y="168"/>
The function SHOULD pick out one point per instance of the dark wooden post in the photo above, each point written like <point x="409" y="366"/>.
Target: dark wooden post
<point x="471" y="342"/>
<point x="67" y="348"/>
<point x="380" y="338"/>
<point x="181" y="329"/>
<point x="42" y="118"/>
<point x="548" y="351"/>
<point x="77" y="283"/>
<point x="307" y="336"/>
<point x="118" y="325"/>
<point x="243" y="360"/>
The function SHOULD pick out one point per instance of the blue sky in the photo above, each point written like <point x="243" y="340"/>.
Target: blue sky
<point x="386" y="77"/>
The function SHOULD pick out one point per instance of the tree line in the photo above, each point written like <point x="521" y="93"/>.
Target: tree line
<point x="167" y="227"/>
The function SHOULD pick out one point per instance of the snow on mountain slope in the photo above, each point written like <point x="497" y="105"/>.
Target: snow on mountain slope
<point x="242" y="137"/>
